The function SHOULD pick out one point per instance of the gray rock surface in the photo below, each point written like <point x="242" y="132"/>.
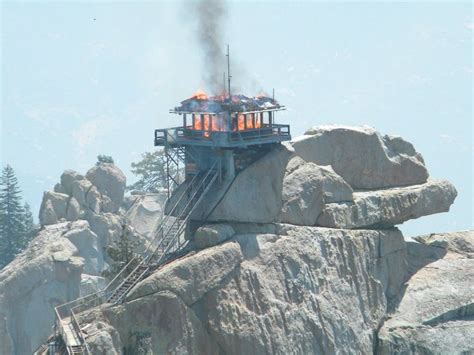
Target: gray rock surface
<point x="80" y="189"/>
<point x="144" y="213"/>
<point x="88" y="247"/>
<point x="101" y="191"/>
<point x="207" y="272"/>
<point x="280" y="187"/>
<point x="46" y="274"/>
<point x="93" y="200"/>
<point x="420" y="255"/>
<point x="107" y="226"/>
<point x="53" y="207"/>
<point x="436" y="311"/>
<point x="388" y="207"/>
<point x="309" y="181"/>
<point x="460" y="242"/>
<point x="67" y="179"/>
<point x="47" y="214"/>
<point x="307" y="187"/>
<point x="302" y="290"/>
<point x="255" y="195"/>
<point x="59" y="188"/>
<point x="109" y="181"/>
<point x="210" y="235"/>
<point x="74" y="211"/>
<point x="363" y="158"/>
<point x="91" y="284"/>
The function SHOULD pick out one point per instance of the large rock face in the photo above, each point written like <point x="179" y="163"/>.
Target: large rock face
<point x="302" y="289"/>
<point x="306" y="189"/>
<point x="145" y="211"/>
<point x="101" y="191"/>
<point x="47" y="274"/>
<point x="255" y="195"/>
<point x="110" y="181"/>
<point x="363" y="158"/>
<point x="382" y="208"/>
<point x="53" y="207"/>
<point x="317" y="179"/>
<point x="65" y="260"/>
<point x="436" y="311"/>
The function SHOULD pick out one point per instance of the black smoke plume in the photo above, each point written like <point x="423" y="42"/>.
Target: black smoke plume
<point x="210" y="17"/>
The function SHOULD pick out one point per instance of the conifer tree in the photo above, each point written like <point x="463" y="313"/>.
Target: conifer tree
<point x="28" y="228"/>
<point x="16" y="220"/>
<point x="151" y="171"/>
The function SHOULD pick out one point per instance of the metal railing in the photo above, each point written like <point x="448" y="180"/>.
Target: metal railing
<point x="179" y="134"/>
<point x="187" y="211"/>
<point x="265" y="131"/>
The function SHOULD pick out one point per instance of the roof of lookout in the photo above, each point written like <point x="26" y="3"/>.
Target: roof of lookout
<point x="200" y="102"/>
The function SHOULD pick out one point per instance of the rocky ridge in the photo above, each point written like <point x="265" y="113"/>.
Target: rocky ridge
<point x="293" y="289"/>
<point x="300" y="255"/>
<point x="65" y="260"/>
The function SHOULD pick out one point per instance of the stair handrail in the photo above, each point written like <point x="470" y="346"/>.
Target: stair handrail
<point x="77" y="328"/>
<point x="157" y="234"/>
<point x="183" y="211"/>
<point x="191" y="186"/>
<point x="147" y="251"/>
<point x="175" y="237"/>
<point x="167" y="216"/>
<point x="188" y="214"/>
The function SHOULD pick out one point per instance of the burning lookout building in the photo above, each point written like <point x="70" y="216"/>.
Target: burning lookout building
<point x="220" y="131"/>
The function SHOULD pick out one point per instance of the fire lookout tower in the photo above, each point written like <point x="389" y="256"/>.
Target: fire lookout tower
<point x="219" y="132"/>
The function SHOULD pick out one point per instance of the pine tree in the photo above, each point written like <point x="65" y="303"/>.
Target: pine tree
<point x="11" y="212"/>
<point x="28" y="227"/>
<point x="16" y="221"/>
<point x="151" y="171"/>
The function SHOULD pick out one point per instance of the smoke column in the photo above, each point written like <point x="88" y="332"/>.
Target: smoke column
<point x="211" y="15"/>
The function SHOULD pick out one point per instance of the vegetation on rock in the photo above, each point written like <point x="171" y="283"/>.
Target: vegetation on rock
<point x="151" y="171"/>
<point x="104" y="159"/>
<point x="16" y="220"/>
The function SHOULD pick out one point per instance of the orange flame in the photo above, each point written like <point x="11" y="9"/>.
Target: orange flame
<point x="197" y="122"/>
<point x="206" y="125"/>
<point x="258" y="120"/>
<point x="250" y="121"/>
<point x="241" y="121"/>
<point x="200" y="95"/>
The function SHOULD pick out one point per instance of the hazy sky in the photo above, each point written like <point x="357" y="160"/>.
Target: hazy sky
<point x="80" y="79"/>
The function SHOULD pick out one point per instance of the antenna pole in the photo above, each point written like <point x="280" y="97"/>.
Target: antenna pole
<point x="223" y="87"/>
<point x="273" y="96"/>
<point x="228" y="72"/>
